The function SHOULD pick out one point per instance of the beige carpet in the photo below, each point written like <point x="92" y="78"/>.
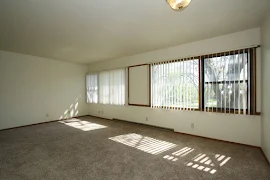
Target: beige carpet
<point x="93" y="148"/>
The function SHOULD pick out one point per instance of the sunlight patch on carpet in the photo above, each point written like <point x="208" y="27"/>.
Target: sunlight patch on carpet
<point x="144" y="143"/>
<point x="82" y="125"/>
<point x="201" y="161"/>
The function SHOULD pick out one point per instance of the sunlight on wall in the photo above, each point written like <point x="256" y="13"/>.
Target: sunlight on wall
<point x="82" y="125"/>
<point x="144" y="143"/>
<point x="201" y="161"/>
<point x="72" y="111"/>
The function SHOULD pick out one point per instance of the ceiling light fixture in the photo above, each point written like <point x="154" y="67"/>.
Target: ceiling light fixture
<point x="178" y="5"/>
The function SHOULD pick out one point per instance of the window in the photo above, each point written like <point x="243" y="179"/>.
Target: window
<point x="222" y="82"/>
<point x="112" y="87"/>
<point x="106" y="87"/>
<point x="176" y="84"/>
<point x="226" y="82"/>
<point x="92" y="88"/>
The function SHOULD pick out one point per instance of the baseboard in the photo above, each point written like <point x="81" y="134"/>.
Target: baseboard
<point x="179" y="132"/>
<point x="99" y="117"/>
<point x="39" y="123"/>
<point x="159" y="127"/>
<point x="144" y="125"/>
<point x="265" y="157"/>
<point x="115" y="119"/>
<point x="219" y="140"/>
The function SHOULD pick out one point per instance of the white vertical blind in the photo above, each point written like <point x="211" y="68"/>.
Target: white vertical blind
<point x="175" y="84"/>
<point x="92" y="88"/>
<point x="249" y="80"/>
<point x="227" y="82"/>
<point x="112" y="87"/>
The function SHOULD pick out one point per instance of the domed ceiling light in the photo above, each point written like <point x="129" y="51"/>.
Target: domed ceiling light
<point x="178" y="5"/>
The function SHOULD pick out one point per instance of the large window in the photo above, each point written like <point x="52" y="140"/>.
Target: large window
<point x="176" y="84"/>
<point x="222" y="82"/>
<point x="226" y="82"/>
<point x="92" y="88"/>
<point x="106" y="87"/>
<point x="112" y="87"/>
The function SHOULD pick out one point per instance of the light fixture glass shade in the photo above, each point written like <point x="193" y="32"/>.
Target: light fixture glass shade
<point x="178" y="4"/>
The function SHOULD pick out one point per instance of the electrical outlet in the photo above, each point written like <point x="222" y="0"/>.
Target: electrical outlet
<point x="192" y="125"/>
<point x="146" y="118"/>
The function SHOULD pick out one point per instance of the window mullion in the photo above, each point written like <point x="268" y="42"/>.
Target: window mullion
<point x="202" y="83"/>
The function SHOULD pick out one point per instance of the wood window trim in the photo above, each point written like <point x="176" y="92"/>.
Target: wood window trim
<point x="149" y="86"/>
<point x="200" y="59"/>
<point x="252" y="82"/>
<point x="181" y="60"/>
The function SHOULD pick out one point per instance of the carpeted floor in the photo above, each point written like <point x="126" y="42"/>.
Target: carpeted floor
<point x="92" y="148"/>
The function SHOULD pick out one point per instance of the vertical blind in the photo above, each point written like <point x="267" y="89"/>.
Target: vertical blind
<point x="175" y="84"/>
<point x="227" y="82"/>
<point x="92" y="88"/>
<point x="112" y="87"/>
<point x="218" y="82"/>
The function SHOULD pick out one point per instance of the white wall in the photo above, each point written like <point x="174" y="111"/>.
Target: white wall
<point x="265" y="32"/>
<point x="31" y="87"/>
<point x="234" y="128"/>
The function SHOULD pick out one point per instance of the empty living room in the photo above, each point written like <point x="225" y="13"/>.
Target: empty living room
<point x="135" y="90"/>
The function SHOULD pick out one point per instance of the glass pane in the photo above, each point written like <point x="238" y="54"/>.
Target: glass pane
<point x="112" y="87"/>
<point x="176" y="84"/>
<point x="92" y="88"/>
<point x="226" y="82"/>
<point x="228" y="96"/>
<point x="226" y="68"/>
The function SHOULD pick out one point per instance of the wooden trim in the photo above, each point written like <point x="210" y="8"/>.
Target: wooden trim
<point x="99" y="117"/>
<point x="241" y="144"/>
<point x="252" y="74"/>
<point x="149" y="86"/>
<point x="176" y="108"/>
<point x="181" y="132"/>
<point x="178" y="60"/>
<point x="153" y="126"/>
<point x="268" y="161"/>
<point x="40" y="123"/>
<point x="252" y="51"/>
<point x="131" y="122"/>
<point x="219" y="140"/>
<point x="128" y="85"/>
<point x="231" y="52"/>
<point x="199" y="85"/>
<point x="201" y="89"/>
<point x="253" y="93"/>
<point x="229" y="111"/>
<point x="138" y="65"/>
<point x="226" y="82"/>
<point x="143" y="105"/>
<point x="258" y="113"/>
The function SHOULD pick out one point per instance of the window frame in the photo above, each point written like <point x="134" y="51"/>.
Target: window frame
<point x="98" y="87"/>
<point x="251" y="82"/>
<point x="199" y="82"/>
<point x="86" y="84"/>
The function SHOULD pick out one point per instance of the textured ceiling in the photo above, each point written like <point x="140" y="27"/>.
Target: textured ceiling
<point x="86" y="31"/>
